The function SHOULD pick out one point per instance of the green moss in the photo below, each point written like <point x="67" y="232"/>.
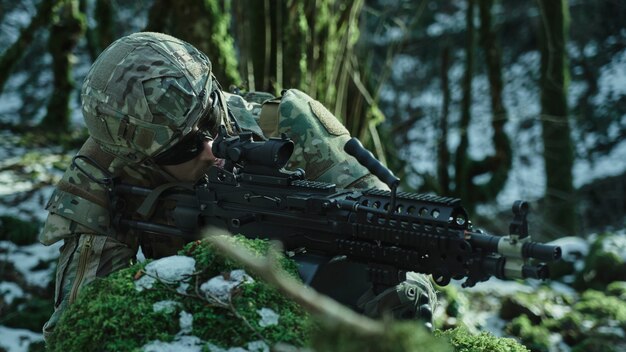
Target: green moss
<point x="455" y="300"/>
<point x="112" y="314"/>
<point x="617" y="289"/>
<point x="206" y="257"/>
<point x="600" y="307"/>
<point x="537" y="305"/>
<point x="463" y="341"/>
<point x="570" y="326"/>
<point x="18" y="231"/>
<point x="535" y="337"/>
<point x="399" y="336"/>
<point x="595" y="316"/>
<point x="599" y="345"/>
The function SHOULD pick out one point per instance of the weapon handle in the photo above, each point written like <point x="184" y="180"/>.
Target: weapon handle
<point x="367" y="159"/>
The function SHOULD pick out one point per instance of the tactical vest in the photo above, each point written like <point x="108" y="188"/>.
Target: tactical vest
<point x="80" y="204"/>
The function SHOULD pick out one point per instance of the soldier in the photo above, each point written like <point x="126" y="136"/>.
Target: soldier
<point x="152" y="106"/>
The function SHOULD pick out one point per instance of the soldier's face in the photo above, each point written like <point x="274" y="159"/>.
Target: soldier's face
<point x="192" y="170"/>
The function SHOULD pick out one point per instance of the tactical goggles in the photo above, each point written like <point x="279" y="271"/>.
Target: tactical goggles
<point x="193" y="143"/>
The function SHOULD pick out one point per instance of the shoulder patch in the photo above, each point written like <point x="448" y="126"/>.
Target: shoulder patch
<point x="328" y="120"/>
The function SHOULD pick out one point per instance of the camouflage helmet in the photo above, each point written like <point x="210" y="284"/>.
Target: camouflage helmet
<point x="144" y="93"/>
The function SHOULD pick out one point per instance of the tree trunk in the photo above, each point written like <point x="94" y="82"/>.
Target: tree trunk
<point x="499" y="164"/>
<point x="443" y="155"/>
<point x="66" y="31"/>
<point x="462" y="162"/>
<point x="206" y="25"/>
<point x="560" y="201"/>
<point x="308" y="45"/>
<point x="103" y="34"/>
<point x="14" y="53"/>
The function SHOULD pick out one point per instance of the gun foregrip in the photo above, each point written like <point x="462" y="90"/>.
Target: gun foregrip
<point x="367" y="159"/>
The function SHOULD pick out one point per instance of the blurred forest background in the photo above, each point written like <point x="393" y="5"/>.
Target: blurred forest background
<point x="486" y="100"/>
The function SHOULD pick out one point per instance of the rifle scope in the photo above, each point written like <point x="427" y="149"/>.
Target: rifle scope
<point x="242" y="149"/>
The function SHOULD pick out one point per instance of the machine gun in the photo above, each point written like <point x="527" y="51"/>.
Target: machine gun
<point x="391" y="232"/>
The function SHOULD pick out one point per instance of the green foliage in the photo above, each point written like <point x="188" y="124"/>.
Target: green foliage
<point x="18" y="231"/>
<point x="600" y="307"/>
<point x="455" y="304"/>
<point x="68" y="26"/>
<point x="535" y="337"/>
<point x="617" y="289"/>
<point x="38" y="137"/>
<point x="112" y="314"/>
<point x="29" y="312"/>
<point x="206" y="257"/>
<point x="599" y="344"/>
<point x="399" y="336"/>
<point x="537" y="305"/>
<point x="594" y="316"/>
<point x="463" y="341"/>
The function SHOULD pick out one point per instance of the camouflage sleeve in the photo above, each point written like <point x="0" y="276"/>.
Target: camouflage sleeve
<point x="83" y="257"/>
<point x="319" y="138"/>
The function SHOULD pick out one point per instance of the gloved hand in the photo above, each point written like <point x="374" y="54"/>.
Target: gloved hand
<point x="414" y="298"/>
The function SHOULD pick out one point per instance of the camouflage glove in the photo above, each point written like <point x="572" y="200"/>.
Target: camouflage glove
<point x="413" y="298"/>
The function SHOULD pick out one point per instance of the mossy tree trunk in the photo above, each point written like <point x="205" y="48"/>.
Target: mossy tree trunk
<point x="203" y="23"/>
<point x="443" y="154"/>
<point x="67" y="28"/>
<point x="103" y="33"/>
<point x="497" y="165"/>
<point x="308" y="45"/>
<point x="560" y="201"/>
<point x="14" y="53"/>
<point x="462" y="162"/>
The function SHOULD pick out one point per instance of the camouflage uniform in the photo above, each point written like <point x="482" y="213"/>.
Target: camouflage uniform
<point x="141" y="97"/>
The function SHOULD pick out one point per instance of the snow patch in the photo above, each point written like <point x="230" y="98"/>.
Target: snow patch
<point x="195" y="344"/>
<point x="186" y="323"/>
<point x="167" y="306"/>
<point x="258" y="346"/>
<point x="268" y="317"/>
<point x="220" y="286"/>
<point x="27" y="260"/>
<point x="616" y="245"/>
<point x="170" y="270"/>
<point x="10" y="291"/>
<point x="572" y="246"/>
<point x="181" y="344"/>
<point x="501" y="287"/>
<point x="611" y="81"/>
<point x="17" y="340"/>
